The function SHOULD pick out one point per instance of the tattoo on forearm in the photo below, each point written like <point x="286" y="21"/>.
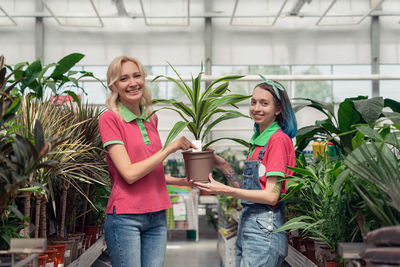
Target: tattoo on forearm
<point x="277" y="187"/>
<point x="233" y="178"/>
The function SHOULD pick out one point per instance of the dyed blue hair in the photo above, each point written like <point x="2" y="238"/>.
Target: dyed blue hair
<point x="286" y="119"/>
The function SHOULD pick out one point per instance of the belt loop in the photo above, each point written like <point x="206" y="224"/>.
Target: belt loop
<point x="114" y="212"/>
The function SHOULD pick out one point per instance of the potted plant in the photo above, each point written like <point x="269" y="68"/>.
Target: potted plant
<point x="318" y="201"/>
<point x="339" y="128"/>
<point x="197" y="117"/>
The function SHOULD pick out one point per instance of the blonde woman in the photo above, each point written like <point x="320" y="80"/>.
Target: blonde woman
<point x="135" y="227"/>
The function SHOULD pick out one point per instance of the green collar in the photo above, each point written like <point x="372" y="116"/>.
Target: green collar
<point x="129" y="116"/>
<point x="261" y="139"/>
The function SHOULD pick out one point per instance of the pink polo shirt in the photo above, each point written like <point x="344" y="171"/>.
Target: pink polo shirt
<point x="278" y="155"/>
<point x="141" y="140"/>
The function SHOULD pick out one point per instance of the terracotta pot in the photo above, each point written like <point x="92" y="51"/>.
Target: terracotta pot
<point x="198" y="165"/>
<point x="42" y="260"/>
<point x="51" y="257"/>
<point x="60" y="253"/>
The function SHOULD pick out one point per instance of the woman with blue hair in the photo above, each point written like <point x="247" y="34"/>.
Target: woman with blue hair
<point x="263" y="182"/>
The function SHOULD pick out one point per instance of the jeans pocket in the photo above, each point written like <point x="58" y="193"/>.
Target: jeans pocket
<point x="265" y="223"/>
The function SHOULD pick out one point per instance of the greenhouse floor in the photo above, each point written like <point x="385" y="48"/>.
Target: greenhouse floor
<point x="192" y="253"/>
<point x="183" y="253"/>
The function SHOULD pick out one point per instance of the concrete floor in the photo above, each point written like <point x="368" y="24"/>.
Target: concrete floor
<point x="193" y="254"/>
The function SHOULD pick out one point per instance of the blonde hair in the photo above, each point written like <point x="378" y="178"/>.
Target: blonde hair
<point x="113" y="74"/>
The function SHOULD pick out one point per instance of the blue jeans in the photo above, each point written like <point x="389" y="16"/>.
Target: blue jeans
<point x="136" y="240"/>
<point x="256" y="245"/>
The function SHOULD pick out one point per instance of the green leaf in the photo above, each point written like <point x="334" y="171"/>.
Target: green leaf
<point x="178" y="127"/>
<point x="223" y="79"/>
<point x="183" y="88"/>
<point x="237" y="140"/>
<point x="226" y="116"/>
<point x="74" y="96"/>
<point x="369" y="109"/>
<point x="348" y="115"/>
<point x="326" y="108"/>
<point x="39" y="136"/>
<point x="393" y="116"/>
<point x="368" y="131"/>
<point x="294" y="224"/>
<point x="393" y="104"/>
<point x="65" y="64"/>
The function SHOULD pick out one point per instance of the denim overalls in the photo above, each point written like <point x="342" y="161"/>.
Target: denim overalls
<point x="256" y="245"/>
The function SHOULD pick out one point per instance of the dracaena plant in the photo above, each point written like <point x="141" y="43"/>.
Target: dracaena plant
<point x="204" y="105"/>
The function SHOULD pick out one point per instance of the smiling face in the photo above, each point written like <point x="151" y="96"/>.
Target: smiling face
<point x="262" y="108"/>
<point x="130" y="84"/>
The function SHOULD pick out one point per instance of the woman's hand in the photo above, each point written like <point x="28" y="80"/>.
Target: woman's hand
<point x="213" y="186"/>
<point x="219" y="162"/>
<point x="181" y="143"/>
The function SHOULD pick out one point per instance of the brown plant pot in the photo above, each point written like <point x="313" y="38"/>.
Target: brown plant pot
<point x="198" y="165"/>
<point x="92" y="230"/>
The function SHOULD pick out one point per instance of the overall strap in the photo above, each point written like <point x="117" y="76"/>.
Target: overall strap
<point x="261" y="154"/>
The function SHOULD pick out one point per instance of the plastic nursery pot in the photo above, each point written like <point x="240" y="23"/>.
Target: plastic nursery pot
<point x="42" y="260"/>
<point x="68" y="248"/>
<point x="92" y="230"/>
<point x="51" y="257"/>
<point x="60" y="253"/>
<point x="198" y="165"/>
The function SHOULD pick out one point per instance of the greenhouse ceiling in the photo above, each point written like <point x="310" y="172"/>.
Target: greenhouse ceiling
<point x="172" y="13"/>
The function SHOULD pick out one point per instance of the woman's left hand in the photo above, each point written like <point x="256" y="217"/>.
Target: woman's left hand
<point x="212" y="186"/>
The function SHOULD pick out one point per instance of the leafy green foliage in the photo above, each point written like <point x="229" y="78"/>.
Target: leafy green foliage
<point x="197" y="117"/>
<point x="60" y="81"/>
<point x="375" y="165"/>
<point x="318" y="202"/>
<point x="340" y="128"/>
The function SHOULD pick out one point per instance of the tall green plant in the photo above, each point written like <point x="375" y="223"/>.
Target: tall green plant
<point x="340" y="127"/>
<point x="203" y="105"/>
<point x="20" y="156"/>
<point x="376" y="169"/>
<point x="60" y="81"/>
<point x="319" y="204"/>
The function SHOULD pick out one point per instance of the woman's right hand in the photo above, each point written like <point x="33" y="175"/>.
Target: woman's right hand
<point x="181" y="143"/>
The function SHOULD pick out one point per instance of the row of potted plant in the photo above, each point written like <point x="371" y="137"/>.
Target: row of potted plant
<point x="334" y="200"/>
<point x="51" y="159"/>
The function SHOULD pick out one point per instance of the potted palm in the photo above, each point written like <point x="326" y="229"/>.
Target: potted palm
<point x="197" y="113"/>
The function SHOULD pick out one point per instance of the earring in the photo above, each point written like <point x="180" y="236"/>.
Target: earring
<point x="277" y="113"/>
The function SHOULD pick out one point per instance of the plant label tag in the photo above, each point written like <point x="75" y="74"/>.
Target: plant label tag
<point x="197" y="143"/>
<point x="261" y="170"/>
